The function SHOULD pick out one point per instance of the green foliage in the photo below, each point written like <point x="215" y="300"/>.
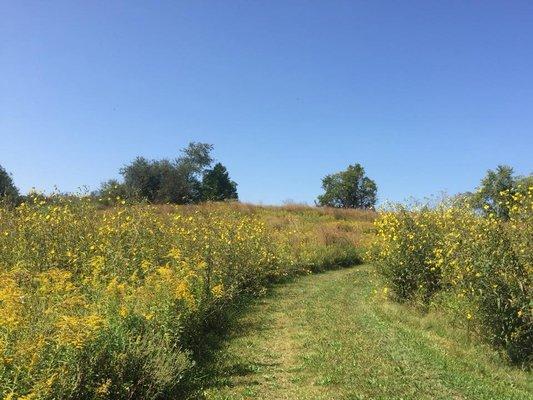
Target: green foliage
<point x="124" y="366"/>
<point x="143" y="177"/>
<point x="490" y="194"/>
<point x="8" y="191"/>
<point x="217" y="185"/>
<point x="523" y="183"/>
<point x="114" y="192"/>
<point x="348" y="189"/>
<point x="499" y="284"/>
<point x="406" y="243"/>
<point x="185" y="180"/>
<point x="336" y="336"/>
<point x="482" y="263"/>
<point x="196" y="157"/>
<point x="116" y="303"/>
<point x="161" y="181"/>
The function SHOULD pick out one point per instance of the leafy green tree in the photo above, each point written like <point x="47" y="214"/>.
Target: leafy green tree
<point x="169" y="181"/>
<point x="195" y="158"/>
<point x="217" y="185"/>
<point x="348" y="189"/>
<point x="143" y="177"/>
<point x="188" y="171"/>
<point x="8" y="190"/>
<point x="491" y="194"/>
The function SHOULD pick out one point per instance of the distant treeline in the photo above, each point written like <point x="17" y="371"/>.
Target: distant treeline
<point x="194" y="177"/>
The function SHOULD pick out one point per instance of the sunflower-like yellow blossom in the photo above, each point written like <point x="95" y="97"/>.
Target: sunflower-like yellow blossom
<point x="107" y="284"/>
<point x="482" y="259"/>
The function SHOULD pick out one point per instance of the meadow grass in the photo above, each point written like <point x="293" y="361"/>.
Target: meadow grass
<point x="337" y="335"/>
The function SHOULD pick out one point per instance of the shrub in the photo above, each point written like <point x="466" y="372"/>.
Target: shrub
<point x="113" y="192"/>
<point x="483" y="262"/>
<point x="491" y="266"/>
<point x="404" y="249"/>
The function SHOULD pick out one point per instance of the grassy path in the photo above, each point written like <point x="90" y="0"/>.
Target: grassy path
<point x="331" y="336"/>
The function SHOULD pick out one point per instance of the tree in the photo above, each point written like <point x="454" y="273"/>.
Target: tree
<point x="178" y="181"/>
<point x="143" y="177"/>
<point x="348" y="189"/>
<point x="195" y="158"/>
<point x="189" y="168"/>
<point x="8" y="190"/>
<point x="490" y="196"/>
<point x="217" y="185"/>
<point x="166" y="181"/>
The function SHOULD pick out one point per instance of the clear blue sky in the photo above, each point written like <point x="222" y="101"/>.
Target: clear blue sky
<point x="427" y="95"/>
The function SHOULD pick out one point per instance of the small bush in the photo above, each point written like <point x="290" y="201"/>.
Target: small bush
<point x="404" y="249"/>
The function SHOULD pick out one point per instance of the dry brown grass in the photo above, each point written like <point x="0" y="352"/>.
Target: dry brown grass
<point x="321" y="225"/>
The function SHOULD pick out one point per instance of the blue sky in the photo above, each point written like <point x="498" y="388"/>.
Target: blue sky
<point x="427" y="95"/>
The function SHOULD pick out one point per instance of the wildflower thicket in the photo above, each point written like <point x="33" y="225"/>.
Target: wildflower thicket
<point x="104" y="302"/>
<point x="478" y="266"/>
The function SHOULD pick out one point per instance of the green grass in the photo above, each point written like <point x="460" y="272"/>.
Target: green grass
<point x="331" y="336"/>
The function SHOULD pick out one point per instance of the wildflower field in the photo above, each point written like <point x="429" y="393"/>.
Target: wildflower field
<point x="113" y="302"/>
<point x="118" y="302"/>
<point x="472" y="264"/>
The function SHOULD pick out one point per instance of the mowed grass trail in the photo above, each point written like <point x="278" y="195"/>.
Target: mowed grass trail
<point x="336" y="336"/>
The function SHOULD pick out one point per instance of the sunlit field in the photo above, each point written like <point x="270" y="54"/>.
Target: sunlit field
<point x="125" y="301"/>
<point x="112" y="302"/>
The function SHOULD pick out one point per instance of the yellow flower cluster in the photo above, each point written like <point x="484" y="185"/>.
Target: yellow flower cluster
<point x="484" y="263"/>
<point x="102" y="302"/>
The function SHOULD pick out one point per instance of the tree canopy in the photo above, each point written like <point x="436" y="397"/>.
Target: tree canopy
<point x="184" y="180"/>
<point x="348" y="189"/>
<point x="217" y="185"/>
<point x="492" y="194"/>
<point x="8" y="190"/>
